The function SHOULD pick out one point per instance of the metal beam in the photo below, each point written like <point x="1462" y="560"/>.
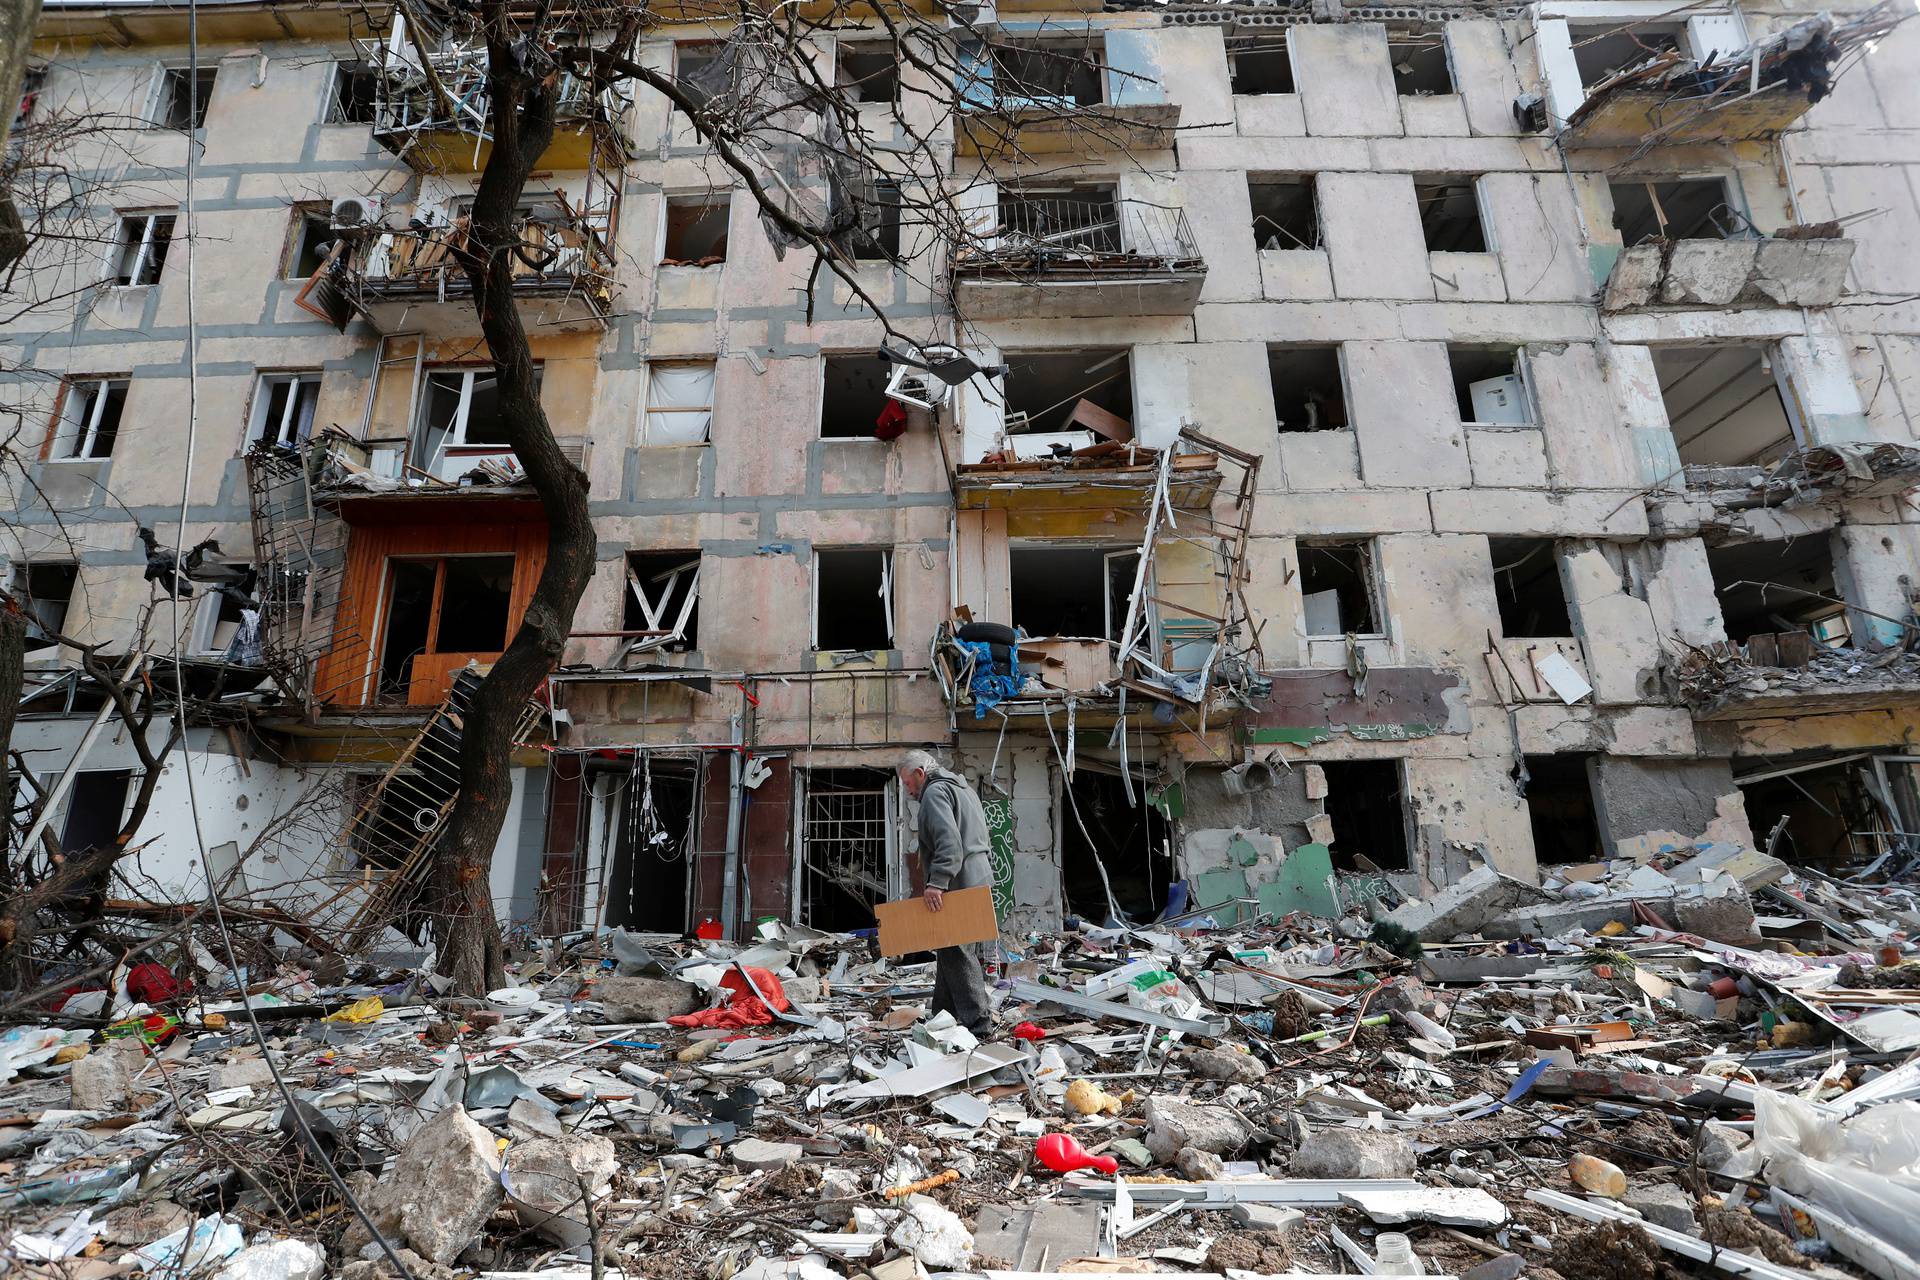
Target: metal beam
<point x="1097" y="1008"/>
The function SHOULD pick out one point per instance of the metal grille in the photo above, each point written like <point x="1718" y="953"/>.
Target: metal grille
<point x="844" y="841"/>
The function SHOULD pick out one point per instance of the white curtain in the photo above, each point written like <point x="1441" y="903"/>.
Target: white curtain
<point x="679" y="404"/>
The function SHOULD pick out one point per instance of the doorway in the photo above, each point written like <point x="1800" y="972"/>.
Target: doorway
<point x="1131" y="841"/>
<point x="847" y="860"/>
<point x="439" y="613"/>
<point x="652" y="847"/>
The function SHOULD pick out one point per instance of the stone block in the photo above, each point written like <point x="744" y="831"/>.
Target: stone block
<point x="1214" y="1064"/>
<point x="1355" y="1153"/>
<point x="1664" y="1205"/>
<point x="646" y="999"/>
<point x="1709" y="273"/>
<point x="439" y="1193"/>
<point x="253" y="1073"/>
<point x="1465" y="906"/>
<point x="1173" y="1126"/>
<point x="549" y="1177"/>
<point x="1635" y="279"/>
<point x="1265" y="1217"/>
<point x="1728" y="918"/>
<point x="101" y="1081"/>
<point x="1196" y="1165"/>
<point x="758" y="1154"/>
<point x="1801" y="273"/>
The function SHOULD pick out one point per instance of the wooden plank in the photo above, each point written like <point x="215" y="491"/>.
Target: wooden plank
<point x="965" y="915"/>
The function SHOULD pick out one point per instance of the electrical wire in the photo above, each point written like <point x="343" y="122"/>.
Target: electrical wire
<point x="185" y="748"/>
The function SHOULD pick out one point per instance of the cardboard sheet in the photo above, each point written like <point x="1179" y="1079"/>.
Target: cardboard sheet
<point x="965" y="915"/>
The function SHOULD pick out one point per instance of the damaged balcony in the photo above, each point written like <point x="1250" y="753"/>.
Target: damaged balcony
<point x="413" y="280"/>
<point x="1084" y="253"/>
<point x="1088" y="94"/>
<point x="1799" y="266"/>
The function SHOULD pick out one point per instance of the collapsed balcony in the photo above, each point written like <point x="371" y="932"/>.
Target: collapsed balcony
<point x="1082" y="254"/>
<point x="1673" y="98"/>
<point x="1818" y="473"/>
<point x="1799" y="266"/>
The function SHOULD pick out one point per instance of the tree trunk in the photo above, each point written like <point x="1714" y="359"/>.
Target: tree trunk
<point x="18" y="18"/>
<point x="13" y="675"/>
<point x="524" y="101"/>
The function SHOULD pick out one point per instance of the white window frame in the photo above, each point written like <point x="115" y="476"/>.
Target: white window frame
<point x="142" y="252"/>
<point x="206" y="621"/>
<point x="651" y="609"/>
<point x="160" y="102"/>
<point x="330" y="107"/>
<point x="456" y="438"/>
<point x="74" y="440"/>
<point x="886" y="593"/>
<point x="648" y="408"/>
<point x="263" y="401"/>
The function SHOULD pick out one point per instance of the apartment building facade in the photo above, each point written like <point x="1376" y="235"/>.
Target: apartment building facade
<point x="1406" y="439"/>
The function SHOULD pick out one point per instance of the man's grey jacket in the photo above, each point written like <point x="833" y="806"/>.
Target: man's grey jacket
<point x="953" y="833"/>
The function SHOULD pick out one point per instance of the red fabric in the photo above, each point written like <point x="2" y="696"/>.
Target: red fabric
<point x="152" y="983"/>
<point x="745" y="1007"/>
<point x="892" y="422"/>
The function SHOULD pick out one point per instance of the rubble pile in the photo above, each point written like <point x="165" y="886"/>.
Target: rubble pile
<point x="1692" y="1059"/>
<point x="1719" y="672"/>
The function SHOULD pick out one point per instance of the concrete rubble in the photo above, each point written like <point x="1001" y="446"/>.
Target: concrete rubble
<point x="1685" y="1057"/>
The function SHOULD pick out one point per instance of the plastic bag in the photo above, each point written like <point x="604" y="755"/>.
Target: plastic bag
<point x="1864" y="1169"/>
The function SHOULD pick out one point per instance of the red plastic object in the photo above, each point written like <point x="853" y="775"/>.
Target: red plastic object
<point x="708" y="929"/>
<point x="1027" y="1031"/>
<point x="1061" y="1153"/>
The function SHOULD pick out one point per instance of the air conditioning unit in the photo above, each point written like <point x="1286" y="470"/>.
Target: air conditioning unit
<point x="350" y="213"/>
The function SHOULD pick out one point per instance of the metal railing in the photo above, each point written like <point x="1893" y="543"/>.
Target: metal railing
<point x="407" y="103"/>
<point x="1068" y="232"/>
<point x="552" y="250"/>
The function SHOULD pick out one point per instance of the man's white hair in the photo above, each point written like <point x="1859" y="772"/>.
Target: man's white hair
<point x="922" y="760"/>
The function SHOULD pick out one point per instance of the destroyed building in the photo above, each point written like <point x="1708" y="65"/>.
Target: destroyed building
<point x="1398" y="436"/>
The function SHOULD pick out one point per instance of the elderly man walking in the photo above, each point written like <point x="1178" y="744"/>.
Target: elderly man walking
<point x="952" y="834"/>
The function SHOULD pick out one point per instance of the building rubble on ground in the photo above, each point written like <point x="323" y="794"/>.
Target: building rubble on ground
<point x="1690" y="1058"/>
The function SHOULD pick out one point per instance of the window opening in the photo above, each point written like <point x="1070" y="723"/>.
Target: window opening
<point x="95" y="806"/>
<point x="1683" y="209"/>
<point x="1420" y="66"/>
<point x="45" y="591"/>
<point x="283" y="408"/>
<point x="1831" y="811"/>
<point x="679" y="403"/>
<point x="696" y="231"/>
<point x="846" y="847"/>
<point x="653" y="847"/>
<point x="1286" y="213"/>
<point x="876" y="238"/>
<point x="1336" y="580"/>
<point x="1600" y="51"/>
<point x="854" y="404"/>
<point x="1366" y="804"/>
<point x="867" y="71"/>
<point x="221" y="614"/>
<point x="1043" y="390"/>
<point x="184" y="95"/>
<point x="460" y="417"/>
<point x="1051" y="75"/>
<point x="1079" y="592"/>
<point x="698" y="71"/>
<point x="1309" y="393"/>
<point x="1527" y="587"/>
<point x="1724" y="405"/>
<point x="853" y="599"/>
<point x="1450" y="214"/>
<point x="1259" y="64"/>
<point x="1774" y="588"/>
<point x="352" y="97"/>
<point x="663" y="599"/>
<point x="1566" y="826"/>
<point x="1129" y="839"/>
<point x="313" y="238"/>
<point x="1489" y="387"/>
<point x="447" y="605"/>
<point x="90" y="419"/>
<point x="141" y="248"/>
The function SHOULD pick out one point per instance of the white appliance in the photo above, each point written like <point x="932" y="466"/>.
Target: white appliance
<point x="1501" y="399"/>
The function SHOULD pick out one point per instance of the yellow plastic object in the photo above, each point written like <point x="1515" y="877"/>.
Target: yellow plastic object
<point x="1612" y="929"/>
<point x="1087" y="1098"/>
<point x="359" y="1011"/>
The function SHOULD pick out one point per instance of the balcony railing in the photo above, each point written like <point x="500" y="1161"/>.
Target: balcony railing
<point x="1066" y="257"/>
<point x="556" y="256"/>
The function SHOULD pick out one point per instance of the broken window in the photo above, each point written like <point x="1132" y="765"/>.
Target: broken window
<point x="140" y="247"/>
<point x="1072" y="591"/>
<point x="1450" y="214"/>
<point x="1830" y="814"/>
<point x="1286" y="214"/>
<point x="89" y="419"/>
<point x="1599" y="51"/>
<point x="220" y="614"/>
<point x="1082" y="218"/>
<point x="854" y="397"/>
<point x="181" y="98"/>
<point x="452" y="605"/>
<point x="1052" y="75"/>
<point x="1526" y="584"/>
<point x="1420" y="65"/>
<point x="653" y="846"/>
<point x="1681" y="209"/>
<point x="846" y="846"/>
<point x="94" y="809"/>
<point x="460" y="418"/>
<point x="1776" y="592"/>
<point x="696" y="231"/>
<point x="1489" y="385"/>
<point x="283" y="408"/>
<point x="867" y="71"/>
<point x="1724" y="405"/>
<point x="45" y="591"/>
<point x="1260" y="62"/>
<point x="313" y="237"/>
<point x="1110" y="838"/>
<point x="353" y="94"/>
<point x="1366" y="805"/>
<point x="853" y="599"/>
<point x="697" y="70"/>
<point x="679" y="403"/>
<point x="1045" y="393"/>
<point x="1566" y="826"/>
<point x="876" y="237"/>
<point x="663" y="600"/>
<point x="1336" y="581"/>
<point x="1309" y="393"/>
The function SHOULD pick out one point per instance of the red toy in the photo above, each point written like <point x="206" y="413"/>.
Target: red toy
<point x="1061" y="1153"/>
<point x="1027" y="1031"/>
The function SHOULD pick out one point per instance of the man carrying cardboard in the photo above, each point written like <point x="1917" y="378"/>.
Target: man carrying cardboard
<point x="952" y="834"/>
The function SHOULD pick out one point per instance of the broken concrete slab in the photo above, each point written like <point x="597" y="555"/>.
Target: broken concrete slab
<point x="101" y="1081"/>
<point x="1266" y="1217"/>
<point x="1355" y="1153"/>
<point x="252" y="1073"/>
<point x="1663" y="1203"/>
<point x="646" y="999"/>
<point x="439" y="1193"/>
<point x="1464" y="906"/>
<point x="1174" y="1125"/>
<point x="1551" y="919"/>
<point x="1450" y="1206"/>
<point x="1217" y="1064"/>
<point x="276" y="1260"/>
<point x="757" y="1154"/>
<point x="1197" y="1165"/>
<point x="548" y="1181"/>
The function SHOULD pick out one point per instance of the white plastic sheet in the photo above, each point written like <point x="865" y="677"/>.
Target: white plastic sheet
<point x="1864" y="1169"/>
<point x="679" y="403"/>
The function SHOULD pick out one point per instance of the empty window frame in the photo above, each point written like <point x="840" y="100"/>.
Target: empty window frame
<point x="140" y="247"/>
<point x="283" y="408"/>
<point x="459" y="413"/>
<point x="1601" y="50"/>
<point x="94" y="809"/>
<point x="1259" y="62"/>
<point x="1309" y="390"/>
<point x="181" y="96"/>
<point x="663" y="600"/>
<point x="1450" y="218"/>
<point x="1053" y="74"/>
<point x="696" y="231"/>
<point x="89" y="418"/>
<point x="1043" y="390"/>
<point x="1560" y="808"/>
<point x="353" y="95"/>
<point x="219" y="616"/>
<point x="1077" y="592"/>
<point x="846" y="846"/>
<point x="876" y="236"/>
<point x="854" y="397"/>
<point x="1787" y="585"/>
<point x="1724" y="405"/>
<point x="1337" y="584"/>
<point x="1676" y="209"/>
<point x="1490" y="385"/>
<point x="866" y="71"/>
<point x="679" y="403"/>
<point x="1367" y="806"/>
<point x="45" y="591"/>
<point x="312" y="240"/>
<point x="853" y="599"/>
<point x="1286" y="212"/>
<point x="1420" y="64"/>
<point x="443" y="605"/>
<point x="1527" y="587"/>
<point x="699" y="71"/>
